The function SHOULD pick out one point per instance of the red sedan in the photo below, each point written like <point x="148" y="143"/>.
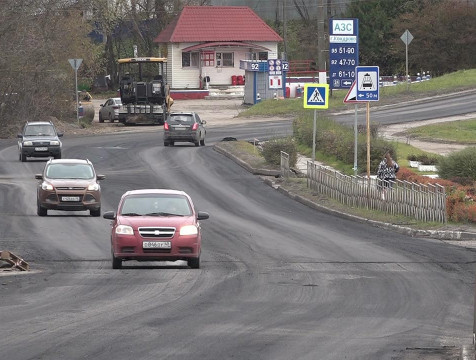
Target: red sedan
<point x="156" y="225"/>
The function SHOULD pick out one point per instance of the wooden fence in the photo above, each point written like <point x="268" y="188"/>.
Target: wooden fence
<point x="423" y="202"/>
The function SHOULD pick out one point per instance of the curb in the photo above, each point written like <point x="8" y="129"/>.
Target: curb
<point x="245" y="165"/>
<point x="435" y="234"/>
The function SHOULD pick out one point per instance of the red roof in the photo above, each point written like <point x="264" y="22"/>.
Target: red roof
<point x="217" y="23"/>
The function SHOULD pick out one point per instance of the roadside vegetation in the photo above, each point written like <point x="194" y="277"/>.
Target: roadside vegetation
<point x="335" y="142"/>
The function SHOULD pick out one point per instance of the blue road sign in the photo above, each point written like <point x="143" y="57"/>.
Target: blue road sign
<point x="316" y="96"/>
<point x="343" y="52"/>
<point x="367" y="83"/>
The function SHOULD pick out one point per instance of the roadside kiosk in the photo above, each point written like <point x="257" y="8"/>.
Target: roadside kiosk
<point x="264" y="79"/>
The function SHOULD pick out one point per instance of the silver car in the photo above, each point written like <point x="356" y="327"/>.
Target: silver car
<point x="184" y="126"/>
<point x="110" y="110"/>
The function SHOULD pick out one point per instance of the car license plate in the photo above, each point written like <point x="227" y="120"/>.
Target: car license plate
<point x="157" y="245"/>
<point x="70" y="198"/>
<point x="41" y="149"/>
<point x="180" y="128"/>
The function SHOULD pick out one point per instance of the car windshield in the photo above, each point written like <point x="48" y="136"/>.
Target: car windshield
<point x="181" y="119"/>
<point x="156" y="205"/>
<point x="39" y="130"/>
<point x="70" y="171"/>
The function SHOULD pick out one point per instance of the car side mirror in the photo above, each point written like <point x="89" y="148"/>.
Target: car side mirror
<point x="39" y="176"/>
<point x="100" y="177"/>
<point x="59" y="134"/>
<point x="202" y="215"/>
<point x="111" y="215"/>
<point x="20" y="136"/>
<point x="101" y="105"/>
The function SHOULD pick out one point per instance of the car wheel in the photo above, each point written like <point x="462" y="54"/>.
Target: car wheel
<point x="95" y="213"/>
<point x="166" y="143"/>
<point x="40" y="210"/>
<point x="58" y="156"/>
<point x="172" y="143"/>
<point x="197" y="143"/>
<point x="194" y="263"/>
<point x="23" y="157"/>
<point x="116" y="262"/>
<point x="101" y="120"/>
<point x="202" y="142"/>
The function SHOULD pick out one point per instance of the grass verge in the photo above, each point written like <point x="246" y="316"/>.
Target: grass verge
<point x="298" y="185"/>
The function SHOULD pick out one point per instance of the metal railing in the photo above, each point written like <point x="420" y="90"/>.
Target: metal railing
<point x="285" y="169"/>
<point x="423" y="202"/>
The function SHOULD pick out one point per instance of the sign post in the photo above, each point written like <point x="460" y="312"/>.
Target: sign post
<point x="407" y="38"/>
<point x="367" y="87"/>
<point x="316" y="96"/>
<point x="351" y="97"/>
<point x="75" y="63"/>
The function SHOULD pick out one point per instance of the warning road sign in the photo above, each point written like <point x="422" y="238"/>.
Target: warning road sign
<point x="351" y="96"/>
<point x="316" y="96"/>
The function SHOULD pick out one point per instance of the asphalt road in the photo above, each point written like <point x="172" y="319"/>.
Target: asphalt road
<point x="448" y="105"/>
<point x="278" y="280"/>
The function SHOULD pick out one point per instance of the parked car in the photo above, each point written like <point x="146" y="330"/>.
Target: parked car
<point x="184" y="126"/>
<point x="156" y="225"/>
<point x="39" y="139"/>
<point x="110" y="110"/>
<point x="69" y="184"/>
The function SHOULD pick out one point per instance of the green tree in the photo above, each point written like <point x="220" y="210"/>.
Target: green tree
<point x="444" y="37"/>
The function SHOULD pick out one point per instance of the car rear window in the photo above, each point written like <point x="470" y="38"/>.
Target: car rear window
<point x="69" y="171"/>
<point x="181" y="119"/>
<point x="156" y="204"/>
<point x="118" y="101"/>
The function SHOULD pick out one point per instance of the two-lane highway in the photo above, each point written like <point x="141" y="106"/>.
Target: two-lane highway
<point x="278" y="280"/>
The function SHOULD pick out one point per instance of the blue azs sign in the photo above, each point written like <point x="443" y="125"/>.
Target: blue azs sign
<point x="343" y="52"/>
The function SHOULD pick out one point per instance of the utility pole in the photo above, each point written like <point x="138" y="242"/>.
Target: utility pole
<point x="321" y="39"/>
<point x="285" y="57"/>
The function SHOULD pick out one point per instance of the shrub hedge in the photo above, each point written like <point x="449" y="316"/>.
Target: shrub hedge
<point x="272" y="150"/>
<point x="459" y="164"/>
<point x="337" y="140"/>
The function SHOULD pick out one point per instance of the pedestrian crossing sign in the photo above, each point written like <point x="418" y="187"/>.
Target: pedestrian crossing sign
<point x="316" y="96"/>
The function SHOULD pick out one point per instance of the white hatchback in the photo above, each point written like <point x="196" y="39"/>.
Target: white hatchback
<point x="110" y="110"/>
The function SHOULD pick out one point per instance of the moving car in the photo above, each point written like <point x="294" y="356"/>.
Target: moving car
<point x="156" y="225"/>
<point x="110" y="110"/>
<point x="39" y="139"/>
<point x="184" y="126"/>
<point x="69" y="184"/>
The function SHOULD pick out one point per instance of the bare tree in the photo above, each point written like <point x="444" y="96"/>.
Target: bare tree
<point x="36" y="40"/>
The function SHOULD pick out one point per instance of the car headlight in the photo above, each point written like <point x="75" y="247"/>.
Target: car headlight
<point x="124" y="230"/>
<point x="189" y="230"/>
<point x="54" y="142"/>
<point x="28" y="143"/>
<point x="46" y="186"/>
<point x="93" y="187"/>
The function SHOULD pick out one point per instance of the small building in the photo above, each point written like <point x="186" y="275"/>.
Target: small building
<point x="206" y="43"/>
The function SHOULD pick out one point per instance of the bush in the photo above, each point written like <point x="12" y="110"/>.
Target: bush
<point x="338" y="140"/>
<point x="88" y="117"/>
<point x="272" y="151"/>
<point x="460" y="164"/>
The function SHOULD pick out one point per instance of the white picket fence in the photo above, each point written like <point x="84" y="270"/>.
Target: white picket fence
<point x="420" y="201"/>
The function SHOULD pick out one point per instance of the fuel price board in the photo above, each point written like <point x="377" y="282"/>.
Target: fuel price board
<point x="343" y="52"/>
